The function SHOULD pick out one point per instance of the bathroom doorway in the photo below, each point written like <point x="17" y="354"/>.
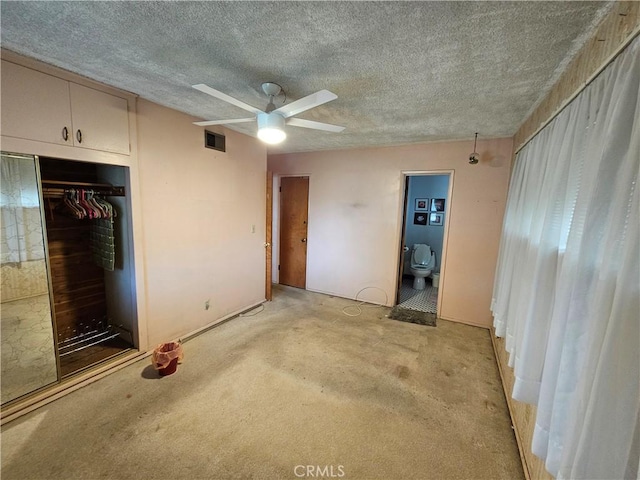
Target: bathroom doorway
<point x="427" y="198"/>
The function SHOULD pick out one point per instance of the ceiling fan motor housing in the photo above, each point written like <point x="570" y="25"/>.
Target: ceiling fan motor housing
<point x="270" y="120"/>
<point x="271" y="127"/>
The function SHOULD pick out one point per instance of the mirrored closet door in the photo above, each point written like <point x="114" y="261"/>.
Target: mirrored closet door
<point x="28" y="346"/>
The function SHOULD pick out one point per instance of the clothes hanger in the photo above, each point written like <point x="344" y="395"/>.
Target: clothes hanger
<point x="72" y="208"/>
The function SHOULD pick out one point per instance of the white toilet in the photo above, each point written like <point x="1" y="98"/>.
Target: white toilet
<point x="423" y="260"/>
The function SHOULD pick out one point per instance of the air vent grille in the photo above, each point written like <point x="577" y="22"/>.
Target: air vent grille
<point x="214" y="140"/>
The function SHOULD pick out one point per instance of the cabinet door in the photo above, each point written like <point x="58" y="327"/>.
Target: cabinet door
<point x="35" y="105"/>
<point x="102" y="120"/>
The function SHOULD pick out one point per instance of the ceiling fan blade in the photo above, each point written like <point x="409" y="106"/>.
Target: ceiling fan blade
<point x="305" y="103"/>
<point x="224" y="122"/>
<point x="223" y="96"/>
<point x="327" y="127"/>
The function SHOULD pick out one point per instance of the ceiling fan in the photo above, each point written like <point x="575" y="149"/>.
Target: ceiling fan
<point x="271" y="120"/>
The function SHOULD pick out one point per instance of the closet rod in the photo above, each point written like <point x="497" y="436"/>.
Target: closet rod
<point x="75" y="184"/>
<point x="61" y="187"/>
<point x="105" y="192"/>
<point x="610" y="59"/>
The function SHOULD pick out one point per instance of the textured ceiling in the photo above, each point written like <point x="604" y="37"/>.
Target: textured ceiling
<point x="404" y="72"/>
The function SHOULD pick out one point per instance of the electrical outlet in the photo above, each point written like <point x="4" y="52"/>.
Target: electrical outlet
<point x="206" y="305"/>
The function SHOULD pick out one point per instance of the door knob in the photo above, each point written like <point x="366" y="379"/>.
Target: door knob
<point x="267" y="244"/>
<point x="304" y="240"/>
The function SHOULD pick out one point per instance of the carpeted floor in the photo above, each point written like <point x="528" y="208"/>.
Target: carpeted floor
<point x="298" y="389"/>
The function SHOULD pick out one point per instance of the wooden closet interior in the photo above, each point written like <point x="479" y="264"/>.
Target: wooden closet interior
<point x="93" y="308"/>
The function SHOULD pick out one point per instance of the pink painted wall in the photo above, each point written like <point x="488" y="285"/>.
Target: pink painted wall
<point x="355" y="220"/>
<point x="198" y="209"/>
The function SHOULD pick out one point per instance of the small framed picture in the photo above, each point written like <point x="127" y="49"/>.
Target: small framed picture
<point x="422" y="204"/>
<point x="437" y="205"/>
<point x="436" y="219"/>
<point x="420" y="218"/>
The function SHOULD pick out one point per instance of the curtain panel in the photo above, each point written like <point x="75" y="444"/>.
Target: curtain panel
<point x="567" y="288"/>
<point x="21" y="237"/>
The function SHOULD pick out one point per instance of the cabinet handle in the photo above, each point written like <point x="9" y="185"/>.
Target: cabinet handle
<point x="65" y="134"/>
<point x="79" y="136"/>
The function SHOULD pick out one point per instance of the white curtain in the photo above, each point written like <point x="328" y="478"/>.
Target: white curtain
<point x="567" y="289"/>
<point x="21" y="238"/>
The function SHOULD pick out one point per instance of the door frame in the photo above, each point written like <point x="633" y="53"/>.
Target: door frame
<point x="404" y="190"/>
<point x="275" y="212"/>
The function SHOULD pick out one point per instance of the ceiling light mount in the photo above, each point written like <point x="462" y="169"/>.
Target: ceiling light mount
<point x="474" y="158"/>
<point x="272" y="90"/>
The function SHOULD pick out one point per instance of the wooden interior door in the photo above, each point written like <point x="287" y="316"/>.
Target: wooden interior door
<point x="267" y="244"/>
<point x="294" y="204"/>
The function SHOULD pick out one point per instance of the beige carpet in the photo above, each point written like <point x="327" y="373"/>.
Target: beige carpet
<point x="263" y="397"/>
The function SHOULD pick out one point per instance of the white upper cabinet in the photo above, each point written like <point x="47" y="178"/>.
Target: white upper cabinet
<point x="100" y="120"/>
<point x="35" y="105"/>
<point x="41" y="107"/>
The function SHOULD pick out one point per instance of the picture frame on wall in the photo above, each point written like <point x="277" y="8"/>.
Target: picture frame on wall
<point x="422" y="204"/>
<point x="436" y="219"/>
<point x="437" y="205"/>
<point x="420" y="218"/>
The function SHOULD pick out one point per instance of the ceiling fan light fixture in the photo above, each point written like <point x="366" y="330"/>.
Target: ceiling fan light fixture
<point x="272" y="136"/>
<point x="271" y="128"/>
<point x="271" y="121"/>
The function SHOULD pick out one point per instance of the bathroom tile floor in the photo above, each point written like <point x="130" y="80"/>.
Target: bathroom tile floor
<point x="421" y="300"/>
